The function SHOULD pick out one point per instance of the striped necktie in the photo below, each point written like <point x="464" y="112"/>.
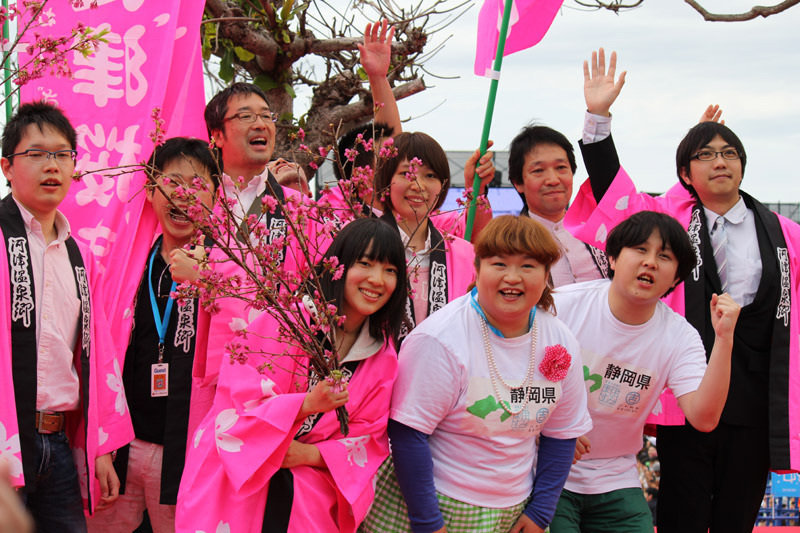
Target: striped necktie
<point x="719" y="242"/>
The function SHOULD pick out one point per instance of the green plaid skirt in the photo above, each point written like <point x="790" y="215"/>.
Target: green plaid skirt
<point x="389" y="513"/>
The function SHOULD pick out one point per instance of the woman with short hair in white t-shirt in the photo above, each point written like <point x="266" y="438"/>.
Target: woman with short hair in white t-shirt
<point x="478" y="381"/>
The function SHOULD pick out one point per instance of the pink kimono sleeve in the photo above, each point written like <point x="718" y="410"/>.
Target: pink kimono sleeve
<point x="354" y="460"/>
<point x="255" y="422"/>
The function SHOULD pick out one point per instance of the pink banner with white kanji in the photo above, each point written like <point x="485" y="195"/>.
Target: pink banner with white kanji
<point x="152" y="59"/>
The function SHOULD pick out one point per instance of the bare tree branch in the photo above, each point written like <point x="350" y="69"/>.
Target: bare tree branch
<point x="755" y="11"/>
<point x="364" y="107"/>
<point x="614" y="5"/>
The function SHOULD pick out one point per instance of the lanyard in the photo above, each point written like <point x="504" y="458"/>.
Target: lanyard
<point x="161" y="323"/>
<point x="475" y="305"/>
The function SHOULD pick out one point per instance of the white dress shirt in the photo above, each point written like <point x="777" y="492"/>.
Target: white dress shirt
<point x="576" y="263"/>
<point x="742" y="251"/>
<point x="245" y="196"/>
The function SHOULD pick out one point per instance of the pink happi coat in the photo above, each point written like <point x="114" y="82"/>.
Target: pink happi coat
<point x="450" y="222"/>
<point x="242" y="441"/>
<point x="460" y="267"/>
<point x="216" y="330"/>
<point x="591" y="222"/>
<point x="108" y="423"/>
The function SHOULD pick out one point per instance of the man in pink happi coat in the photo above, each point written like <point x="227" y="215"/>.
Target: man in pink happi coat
<point x="714" y="479"/>
<point x="61" y="394"/>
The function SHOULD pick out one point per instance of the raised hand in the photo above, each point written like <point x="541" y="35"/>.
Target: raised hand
<point x="485" y="168"/>
<point x="599" y="88"/>
<point x="724" y="314"/>
<point x="712" y="114"/>
<point x="182" y="263"/>
<point x="376" y="51"/>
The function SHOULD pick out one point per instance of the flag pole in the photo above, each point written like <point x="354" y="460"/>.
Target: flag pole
<point x="487" y="120"/>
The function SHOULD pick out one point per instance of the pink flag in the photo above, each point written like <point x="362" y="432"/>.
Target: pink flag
<point x="530" y="20"/>
<point x="151" y="58"/>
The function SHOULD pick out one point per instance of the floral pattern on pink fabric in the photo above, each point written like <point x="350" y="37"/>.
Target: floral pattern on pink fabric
<point x="556" y="362"/>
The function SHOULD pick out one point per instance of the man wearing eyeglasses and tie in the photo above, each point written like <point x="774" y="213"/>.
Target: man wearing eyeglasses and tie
<point x="711" y="480"/>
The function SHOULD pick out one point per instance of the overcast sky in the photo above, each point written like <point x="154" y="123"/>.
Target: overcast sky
<point x="677" y="64"/>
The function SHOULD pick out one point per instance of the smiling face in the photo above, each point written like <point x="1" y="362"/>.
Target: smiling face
<point x="642" y="275"/>
<point x="42" y="186"/>
<point x="368" y="286"/>
<point x="290" y="175"/>
<point x="413" y="198"/>
<point x="246" y="146"/>
<point x="509" y="286"/>
<point x="547" y="181"/>
<point x="181" y="171"/>
<point x="717" y="181"/>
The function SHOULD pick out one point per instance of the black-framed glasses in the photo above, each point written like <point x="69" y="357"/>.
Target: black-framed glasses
<point x="36" y="155"/>
<point x="710" y="155"/>
<point x="248" y="117"/>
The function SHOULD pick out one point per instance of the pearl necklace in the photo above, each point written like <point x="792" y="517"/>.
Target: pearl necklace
<point x="494" y="371"/>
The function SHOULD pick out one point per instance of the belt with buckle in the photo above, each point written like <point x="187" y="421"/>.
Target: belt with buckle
<point x="50" y="421"/>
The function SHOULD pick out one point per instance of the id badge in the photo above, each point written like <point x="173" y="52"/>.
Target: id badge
<point x="159" y="380"/>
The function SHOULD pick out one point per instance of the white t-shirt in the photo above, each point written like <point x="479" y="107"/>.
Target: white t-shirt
<point x="627" y="367"/>
<point x="481" y="454"/>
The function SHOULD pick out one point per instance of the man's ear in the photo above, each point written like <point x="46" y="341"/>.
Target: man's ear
<point x="687" y="179"/>
<point x="5" y="164"/>
<point x="611" y="262"/>
<point x="218" y="137"/>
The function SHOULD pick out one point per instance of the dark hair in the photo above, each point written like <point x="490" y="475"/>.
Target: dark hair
<point x="378" y="241"/>
<point x="371" y="130"/>
<point x="411" y="145"/>
<point x="526" y="140"/>
<point x="177" y="148"/>
<point x="41" y="114"/>
<point x="638" y="227"/>
<point x="217" y="107"/>
<point x="696" y="138"/>
<point x="511" y="235"/>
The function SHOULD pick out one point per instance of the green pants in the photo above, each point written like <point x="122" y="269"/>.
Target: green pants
<point x="618" y="511"/>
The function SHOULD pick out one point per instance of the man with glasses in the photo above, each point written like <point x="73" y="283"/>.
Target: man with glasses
<point x="60" y="419"/>
<point x="242" y="127"/>
<point x="717" y="479"/>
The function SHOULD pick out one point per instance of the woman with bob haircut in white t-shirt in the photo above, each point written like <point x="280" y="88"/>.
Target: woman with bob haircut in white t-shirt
<point x="477" y="383"/>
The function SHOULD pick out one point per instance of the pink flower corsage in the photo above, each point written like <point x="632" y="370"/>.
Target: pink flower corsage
<point x="555" y="364"/>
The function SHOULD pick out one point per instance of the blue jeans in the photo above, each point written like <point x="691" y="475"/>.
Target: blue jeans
<point x="54" y="496"/>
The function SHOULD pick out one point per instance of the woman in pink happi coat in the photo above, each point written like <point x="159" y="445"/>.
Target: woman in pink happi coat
<point x="270" y="455"/>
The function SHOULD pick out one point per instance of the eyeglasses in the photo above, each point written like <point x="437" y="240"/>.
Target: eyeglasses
<point x="245" y="116"/>
<point x="710" y="155"/>
<point x="36" y="155"/>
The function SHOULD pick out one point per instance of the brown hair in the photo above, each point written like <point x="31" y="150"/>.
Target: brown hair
<point x="510" y="235"/>
<point x="410" y="145"/>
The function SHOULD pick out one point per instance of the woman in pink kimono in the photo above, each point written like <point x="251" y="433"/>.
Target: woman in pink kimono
<point x="270" y="455"/>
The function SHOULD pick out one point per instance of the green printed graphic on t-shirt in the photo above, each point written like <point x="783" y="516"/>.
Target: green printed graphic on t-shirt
<point x="482" y="408"/>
